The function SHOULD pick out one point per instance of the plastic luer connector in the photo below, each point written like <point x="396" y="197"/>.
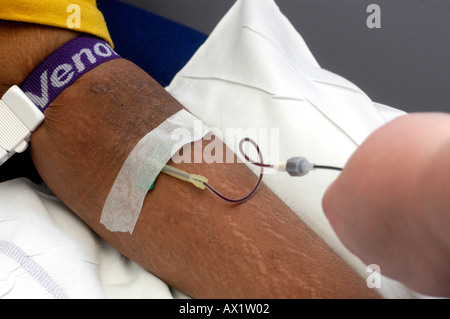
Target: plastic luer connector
<point x="19" y="117"/>
<point x="298" y="166"/>
<point x="198" y="180"/>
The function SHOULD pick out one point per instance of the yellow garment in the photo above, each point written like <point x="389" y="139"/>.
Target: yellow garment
<point x="78" y="15"/>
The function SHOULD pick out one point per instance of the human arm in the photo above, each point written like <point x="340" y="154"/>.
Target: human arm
<point x="391" y="204"/>
<point x="198" y="244"/>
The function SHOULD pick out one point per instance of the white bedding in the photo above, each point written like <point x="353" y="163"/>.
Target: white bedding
<point x="47" y="252"/>
<point x="253" y="71"/>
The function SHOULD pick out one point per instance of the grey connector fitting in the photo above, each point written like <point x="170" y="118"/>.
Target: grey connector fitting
<point x="298" y="166"/>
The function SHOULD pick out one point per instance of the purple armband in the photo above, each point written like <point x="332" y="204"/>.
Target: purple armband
<point x="63" y="67"/>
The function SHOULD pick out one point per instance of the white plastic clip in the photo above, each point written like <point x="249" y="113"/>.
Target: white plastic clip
<point x="19" y="117"/>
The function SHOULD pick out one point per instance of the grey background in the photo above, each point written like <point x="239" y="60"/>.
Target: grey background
<point x="405" y="64"/>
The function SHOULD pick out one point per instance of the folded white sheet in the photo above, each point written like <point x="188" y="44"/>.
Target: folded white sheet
<point x="47" y="252"/>
<point x="255" y="71"/>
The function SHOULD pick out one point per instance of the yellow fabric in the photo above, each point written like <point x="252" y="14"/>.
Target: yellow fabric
<point x="58" y="13"/>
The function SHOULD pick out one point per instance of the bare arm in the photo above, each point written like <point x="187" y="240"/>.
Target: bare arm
<point x="391" y="204"/>
<point x="189" y="238"/>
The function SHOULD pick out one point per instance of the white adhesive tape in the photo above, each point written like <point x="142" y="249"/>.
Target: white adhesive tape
<point x="124" y="202"/>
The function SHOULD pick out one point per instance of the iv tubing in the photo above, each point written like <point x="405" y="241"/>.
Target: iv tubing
<point x="202" y="182"/>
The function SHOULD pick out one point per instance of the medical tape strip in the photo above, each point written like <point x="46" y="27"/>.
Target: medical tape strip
<point x="124" y="202"/>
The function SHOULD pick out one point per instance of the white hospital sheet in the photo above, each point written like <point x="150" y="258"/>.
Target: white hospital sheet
<point x="47" y="252"/>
